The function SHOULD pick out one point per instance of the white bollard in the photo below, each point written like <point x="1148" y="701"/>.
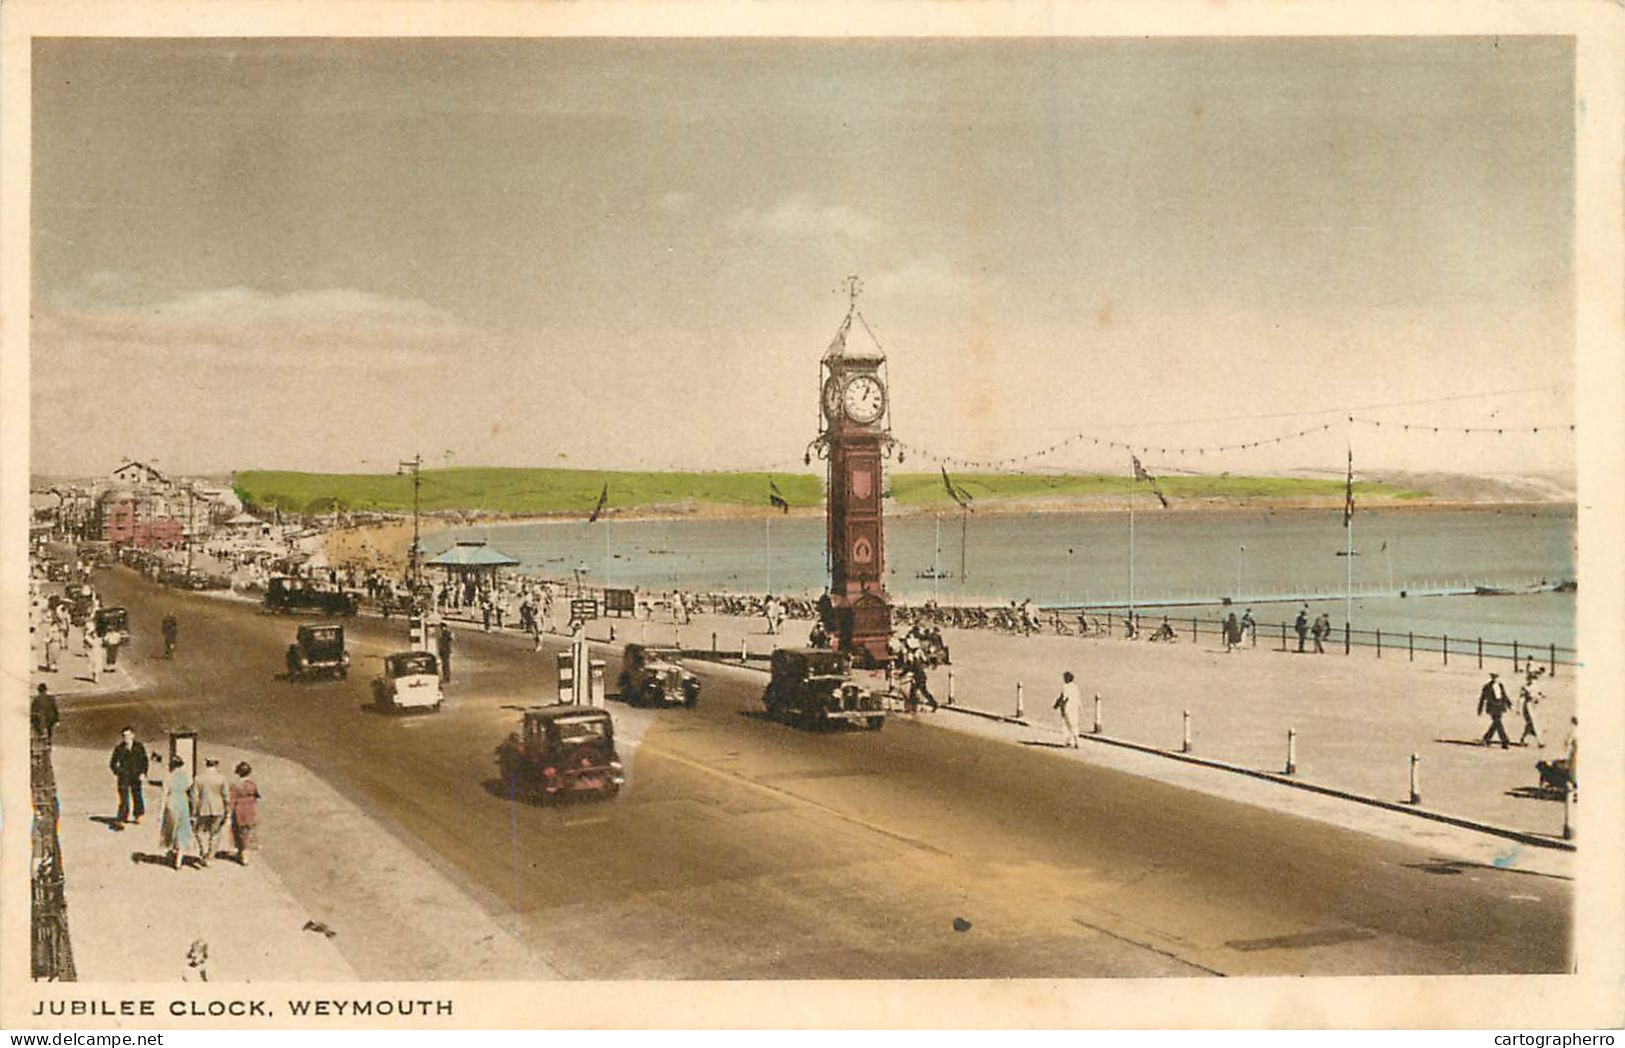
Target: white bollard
<point x="950" y="685"/>
<point x="1018" y="700"/>
<point x="744" y="650"/>
<point x="1291" y="752"/>
<point x="1568" y="813"/>
<point x="1185" y="744"/>
<point x="643" y="631"/>
<point x="1097" y="713"/>
<point x="1416" y="784"/>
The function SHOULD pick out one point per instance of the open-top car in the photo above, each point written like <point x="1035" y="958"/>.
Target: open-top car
<point x="651" y="675"/>
<point x="561" y="751"/>
<point x="410" y="681"/>
<point x="814" y="688"/>
<point x="318" y="651"/>
<point x="290" y="593"/>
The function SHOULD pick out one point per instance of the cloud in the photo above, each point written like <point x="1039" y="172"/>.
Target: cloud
<point x="801" y="219"/>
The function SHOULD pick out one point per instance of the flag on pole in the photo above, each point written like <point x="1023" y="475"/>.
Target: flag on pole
<point x="776" y="497"/>
<point x="603" y="497"/>
<point x="958" y="494"/>
<point x="1348" y="492"/>
<point x="1141" y="474"/>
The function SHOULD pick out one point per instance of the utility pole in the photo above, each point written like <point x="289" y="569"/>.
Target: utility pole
<point x="415" y="464"/>
<point x="191" y="527"/>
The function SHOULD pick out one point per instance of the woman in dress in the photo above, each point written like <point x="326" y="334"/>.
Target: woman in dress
<point x="244" y="796"/>
<point x="175" y="831"/>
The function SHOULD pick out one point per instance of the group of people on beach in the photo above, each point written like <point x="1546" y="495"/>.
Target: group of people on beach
<point x="196" y="810"/>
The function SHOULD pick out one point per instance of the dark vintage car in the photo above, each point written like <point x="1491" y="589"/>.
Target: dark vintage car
<point x="318" y="651"/>
<point x="79" y="597"/>
<point x="410" y="681"/>
<point x="814" y="688"/>
<point x="651" y="675"/>
<point x="560" y="752"/>
<point x="288" y="593"/>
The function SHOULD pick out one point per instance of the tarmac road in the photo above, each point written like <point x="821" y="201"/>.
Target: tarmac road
<point x="744" y="848"/>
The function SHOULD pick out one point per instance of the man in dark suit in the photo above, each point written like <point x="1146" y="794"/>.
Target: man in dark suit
<point x="42" y="712"/>
<point x="129" y="767"/>
<point x="1492" y="699"/>
<point x="443" y="649"/>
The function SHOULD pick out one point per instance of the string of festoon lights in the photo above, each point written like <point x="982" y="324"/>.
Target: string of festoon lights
<point x="1201" y="450"/>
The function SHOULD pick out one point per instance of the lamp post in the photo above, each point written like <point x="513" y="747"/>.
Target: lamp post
<point x="1069" y="552"/>
<point x="415" y="464"/>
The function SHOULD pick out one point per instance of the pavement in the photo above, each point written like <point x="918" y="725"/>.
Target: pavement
<point x="1358" y="718"/>
<point x="329" y="895"/>
<point x="747" y="849"/>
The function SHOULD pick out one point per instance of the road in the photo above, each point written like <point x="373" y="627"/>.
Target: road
<point x="747" y="849"/>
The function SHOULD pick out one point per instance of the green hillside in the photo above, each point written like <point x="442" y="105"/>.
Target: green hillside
<point x="567" y="491"/>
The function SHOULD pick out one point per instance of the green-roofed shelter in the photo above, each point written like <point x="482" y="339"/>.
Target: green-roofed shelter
<point x="471" y="558"/>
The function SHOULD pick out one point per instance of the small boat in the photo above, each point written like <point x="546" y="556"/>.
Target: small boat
<point x="1348" y="553"/>
<point x="931" y="573"/>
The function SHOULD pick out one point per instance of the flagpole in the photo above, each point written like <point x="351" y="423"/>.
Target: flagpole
<point x="1348" y="553"/>
<point x="770" y="553"/>
<point x="1134" y="485"/>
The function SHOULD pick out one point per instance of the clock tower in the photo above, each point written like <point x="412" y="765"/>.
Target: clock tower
<point x="856" y="438"/>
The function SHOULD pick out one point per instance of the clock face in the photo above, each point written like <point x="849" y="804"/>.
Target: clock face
<point x="864" y="399"/>
<point x="832" y="399"/>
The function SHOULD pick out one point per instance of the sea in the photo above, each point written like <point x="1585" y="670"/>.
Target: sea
<point x="1187" y="563"/>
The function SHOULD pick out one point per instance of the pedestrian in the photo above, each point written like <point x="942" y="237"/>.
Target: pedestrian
<point x="443" y="649"/>
<point x="1232" y="632"/>
<point x="129" y="767"/>
<point x="921" y="689"/>
<point x="1528" y="699"/>
<point x="175" y="828"/>
<point x="170" y="628"/>
<point x="42" y="712"/>
<point x="208" y="808"/>
<point x="1064" y="703"/>
<point x="1322" y="626"/>
<point x="1301" y="624"/>
<point x="93" y="653"/>
<point x="244" y="797"/>
<point x="485" y="612"/>
<point x="1249" y="628"/>
<point x="1492" y="700"/>
<point x="53" y="642"/>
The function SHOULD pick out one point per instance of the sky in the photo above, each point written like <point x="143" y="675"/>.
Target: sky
<point x="333" y="254"/>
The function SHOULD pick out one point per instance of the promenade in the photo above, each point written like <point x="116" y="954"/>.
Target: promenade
<point x="1358" y="718"/>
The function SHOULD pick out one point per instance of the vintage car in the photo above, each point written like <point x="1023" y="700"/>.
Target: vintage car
<point x="113" y="627"/>
<point x="651" y="675"/>
<point x="560" y="752"/>
<point x="288" y="593"/>
<point x="814" y="688"/>
<point x="79" y="597"/>
<point x="318" y="651"/>
<point x="410" y="681"/>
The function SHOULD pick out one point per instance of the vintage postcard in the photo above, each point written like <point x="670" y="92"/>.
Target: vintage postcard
<point x="858" y="515"/>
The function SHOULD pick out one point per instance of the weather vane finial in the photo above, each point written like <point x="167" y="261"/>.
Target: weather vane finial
<point x="854" y="288"/>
